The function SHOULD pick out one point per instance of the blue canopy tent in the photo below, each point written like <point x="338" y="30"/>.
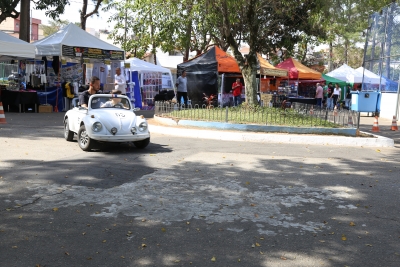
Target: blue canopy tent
<point x="391" y="86"/>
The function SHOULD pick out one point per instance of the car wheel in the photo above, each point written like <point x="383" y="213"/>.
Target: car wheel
<point x="142" y="144"/>
<point x="68" y="135"/>
<point x="84" y="141"/>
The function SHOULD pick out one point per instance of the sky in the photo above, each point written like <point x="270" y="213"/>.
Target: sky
<point x="71" y="14"/>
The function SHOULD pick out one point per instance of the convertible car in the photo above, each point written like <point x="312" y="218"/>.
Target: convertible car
<point x="108" y="118"/>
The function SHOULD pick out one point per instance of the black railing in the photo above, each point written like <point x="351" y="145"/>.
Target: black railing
<point x="298" y="115"/>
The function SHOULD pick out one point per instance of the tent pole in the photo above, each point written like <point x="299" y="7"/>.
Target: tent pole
<point x="397" y="101"/>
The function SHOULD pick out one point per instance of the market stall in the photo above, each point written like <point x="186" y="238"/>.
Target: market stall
<point x="72" y="56"/>
<point x="214" y="72"/>
<point x="347" y="74"/>
<point x="12" y="90"/>
<point x="371" y="81"/>
<point x="302" y="80"/>
<point x="13" y="48"/>
<point x="146" y="80"/>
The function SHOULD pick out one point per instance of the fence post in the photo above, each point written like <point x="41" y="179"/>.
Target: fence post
<point x="226" y="114"/>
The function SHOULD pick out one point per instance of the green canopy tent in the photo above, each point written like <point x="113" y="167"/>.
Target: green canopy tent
<point x="342" y="84"/>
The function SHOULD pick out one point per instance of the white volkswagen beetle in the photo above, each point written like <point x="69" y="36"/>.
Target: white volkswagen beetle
<point x="108" y="118"/>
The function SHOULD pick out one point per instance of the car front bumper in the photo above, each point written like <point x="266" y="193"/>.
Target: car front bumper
<point x="120" y="138"/>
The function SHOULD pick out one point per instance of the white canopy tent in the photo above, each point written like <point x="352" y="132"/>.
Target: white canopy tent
<point x="346" y="73"/>
<point x="370" y="77"/>
<point x="14" y="48"/>
<point x="70" y="36"/>
<point x="143" y="66"/>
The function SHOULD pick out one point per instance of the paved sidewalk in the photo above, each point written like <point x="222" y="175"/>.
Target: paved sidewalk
<point x="385" y="125"/>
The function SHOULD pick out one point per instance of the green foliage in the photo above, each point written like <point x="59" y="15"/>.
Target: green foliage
<point x="265" y="25"/>
<point x="54" y="8"/>
<point x="7" y="9"/>
<point x="54" y="26"/>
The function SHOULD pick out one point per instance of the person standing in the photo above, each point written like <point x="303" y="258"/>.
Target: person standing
<point x="348" y="97"/>
<point x="319" y="93"/>
<point x="237" y="92"/>
<point x="181" y="84"/>
<point x="94" y="87"/>
<point x="119" y="81"/>
<point x="336" y="95"/>
<point x="329" y="103"/>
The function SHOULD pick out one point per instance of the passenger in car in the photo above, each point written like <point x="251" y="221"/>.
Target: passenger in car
<point x="113" y="101"/>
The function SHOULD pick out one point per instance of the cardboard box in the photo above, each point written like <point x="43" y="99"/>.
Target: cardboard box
<point x="45" y="108"/>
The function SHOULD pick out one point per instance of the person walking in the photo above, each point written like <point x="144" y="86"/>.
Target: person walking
<point x="319" y="93"/>
<point x="181" y="84"/>
<point x="348" y="97"/>
<point x="329" y="103"/>
<point x="237" y="91"/>
<point x="336" y="95"/>
<point x="119" y="81"/>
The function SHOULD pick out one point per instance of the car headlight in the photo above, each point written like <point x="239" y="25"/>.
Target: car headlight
<point x="96" y="127"/>
<point x="114" y="130"/>
<point x="143" y="126"/>
<point x="133" y="130"/>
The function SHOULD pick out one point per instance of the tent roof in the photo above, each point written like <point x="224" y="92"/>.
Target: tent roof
<point x="203" y="63"/>
<point x="346" y="73"/>
<point x="370" y="77"/>
<point x="330" y="79"/>
<point x="70" y="35"/>
<point x="298" y="70"/>
<point x="141" y="65"/>
<point x="226" y="63"/>
<point x="268" y="69"/>
<point x="14" y="48"/>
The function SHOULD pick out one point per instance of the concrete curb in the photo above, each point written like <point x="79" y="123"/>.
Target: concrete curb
<point x="377" y="141"/>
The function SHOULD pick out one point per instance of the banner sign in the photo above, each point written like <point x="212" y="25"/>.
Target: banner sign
<point x="94" y="53"/>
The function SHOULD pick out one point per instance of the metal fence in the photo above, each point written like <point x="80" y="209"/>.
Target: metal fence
<point x="299" y="115"/>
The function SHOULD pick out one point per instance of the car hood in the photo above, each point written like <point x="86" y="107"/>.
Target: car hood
<point x="121" y="119"/>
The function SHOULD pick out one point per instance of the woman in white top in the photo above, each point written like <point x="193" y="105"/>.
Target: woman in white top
<point x="336" y="94"/>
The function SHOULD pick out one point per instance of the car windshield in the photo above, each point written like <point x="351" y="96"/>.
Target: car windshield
<point x="113" y="101"/>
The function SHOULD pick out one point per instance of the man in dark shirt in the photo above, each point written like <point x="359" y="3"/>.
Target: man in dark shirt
<point x="94" y="87"/>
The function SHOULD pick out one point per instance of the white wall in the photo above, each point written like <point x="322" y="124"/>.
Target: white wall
<point x="388" y="105"/>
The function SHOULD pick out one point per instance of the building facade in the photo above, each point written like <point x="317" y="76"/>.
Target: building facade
<point x="12" y="27"/>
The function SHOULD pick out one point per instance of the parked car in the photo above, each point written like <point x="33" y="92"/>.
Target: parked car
<point x="108" y="118"/>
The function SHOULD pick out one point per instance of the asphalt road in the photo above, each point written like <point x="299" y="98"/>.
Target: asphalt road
<point x="193" y="202"/>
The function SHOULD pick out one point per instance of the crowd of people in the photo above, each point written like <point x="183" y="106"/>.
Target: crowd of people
<point x="329" y="96"/>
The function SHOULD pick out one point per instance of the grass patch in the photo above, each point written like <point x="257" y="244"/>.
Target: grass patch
<point x="255" y="115"/>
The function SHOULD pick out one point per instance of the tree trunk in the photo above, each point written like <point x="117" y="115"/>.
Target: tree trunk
<point x="330" y="67"/>
<point x="373" y="44"/>
<point x="153" y="41"/>
<point x="249" y="72"/>
<point x="188" y="36"/>
<point x="188" y="33"/>
<point x="389" y="33"/>
<point x="25" y="19"/>
<point x="83" y="14"/>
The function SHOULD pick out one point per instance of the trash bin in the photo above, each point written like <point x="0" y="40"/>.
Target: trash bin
<point x="365" y="101"/>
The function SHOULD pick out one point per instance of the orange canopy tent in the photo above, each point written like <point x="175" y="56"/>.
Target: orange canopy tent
<point x="202" y="72"/>
<point x="298" y="70"/>
<point x="226" y="63"/>
<point x="267" y="69"/>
